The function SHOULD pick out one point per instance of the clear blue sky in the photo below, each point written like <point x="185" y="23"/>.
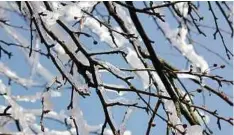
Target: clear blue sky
<point x="138" y="122"/>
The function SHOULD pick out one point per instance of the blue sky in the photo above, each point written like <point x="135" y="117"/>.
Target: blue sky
<point x="92" y="109"/>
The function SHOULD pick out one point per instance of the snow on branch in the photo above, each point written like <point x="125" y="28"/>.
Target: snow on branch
<point x="4" y="70"/>
<point x="96" y="67"/>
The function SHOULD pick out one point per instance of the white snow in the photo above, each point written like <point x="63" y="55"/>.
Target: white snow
<point x="187" y="50"/>
<point x="194" y="130"/>
<point x="13" y="76"/>
<point x="136" y="63"/>
<point x="103" y="33"/>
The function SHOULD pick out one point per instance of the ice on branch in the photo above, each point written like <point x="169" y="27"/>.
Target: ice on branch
<point x="187" y="50"/>
<point x="36" y="57"/>
<point x="109" y="132"/>
<point x="104" y="34"/>
<point x="47" y="104"/>
<point x="128" y="21"/>
<point x="113" y="69"/>
<point x="17" y="112"/>
<point x="81" y="57"/>
<point x="3" y="88"/>
<point x="35" y="97"/>
<point x="69" y="12"/>
<point x="170" y="107"/>
<point x="13" y="76"/>
<point x="168" y="104"/>
<point x="187" y="76"/>
<point x="72" y="79"/>
<point x="173" y="117"/>
<point x="75" y="10"/>
<point x="136" y="63"/>
<point x="50" y="32"/>
<point x="178" y="38"/>
<point x="31" y="98"/>
<point x="77" y="115"/>
<point x="194" y="130"/>
<point x="40" y="69"/>
<point x="202" y="117"/>
<point x="182" y="7"/>
<point x="121" y="93"/>
<point x="128" y="114"/>
<point x="59" y="49"/>
<point x="50" y="17"/>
